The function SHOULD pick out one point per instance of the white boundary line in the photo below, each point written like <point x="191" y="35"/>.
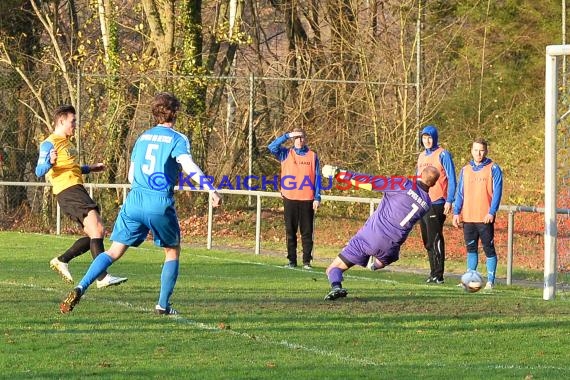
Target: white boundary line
<point x="208" y="327"/>
<point x="289" y="345"/>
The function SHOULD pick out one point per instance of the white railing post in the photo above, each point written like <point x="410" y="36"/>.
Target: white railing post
<point x="210" y="222"/>
<point x="510" y="228"/>
<point x="58" y="220"/>
<point x="258" y="226"/>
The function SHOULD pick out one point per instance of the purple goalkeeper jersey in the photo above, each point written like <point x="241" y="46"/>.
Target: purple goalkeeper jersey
<point x="403" y="205"/>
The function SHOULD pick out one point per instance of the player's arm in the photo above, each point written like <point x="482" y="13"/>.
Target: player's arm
<point x="447" y="162"/>
<point x="190" y="168"/>
<point x="196" y="174"/>
<point x="277" y="149"/>
<point x="318" y="179"/>
<point x="94" y="168"/>
<point x="458" y="205"/>
<point x="497" y="176"/>
<point x="45" y="159"/>
<point x="353" y="180"/>
<point x="131" y="174"/>
<point x="348" y="178"/>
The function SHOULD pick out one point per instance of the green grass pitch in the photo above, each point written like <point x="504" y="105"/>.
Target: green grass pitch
<point x="245" y="317"/>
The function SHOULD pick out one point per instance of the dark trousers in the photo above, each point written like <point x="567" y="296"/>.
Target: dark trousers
<point x="299" y="215"/>
<point x="472" y="232"/>
<point x="431" y="226"/>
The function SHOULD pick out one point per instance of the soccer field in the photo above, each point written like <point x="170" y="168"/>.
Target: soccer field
<point x="245" y="317"/>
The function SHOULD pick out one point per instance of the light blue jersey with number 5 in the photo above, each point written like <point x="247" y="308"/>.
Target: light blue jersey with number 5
<point x="154" y="158"/>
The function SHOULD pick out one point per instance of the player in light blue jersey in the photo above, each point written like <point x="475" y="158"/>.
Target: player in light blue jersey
<point x="157" y="155"/>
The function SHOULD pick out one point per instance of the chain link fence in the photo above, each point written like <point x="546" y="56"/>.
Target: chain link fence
<point x="230" y="121"/>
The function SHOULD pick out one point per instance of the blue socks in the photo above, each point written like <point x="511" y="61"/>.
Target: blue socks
<point x="104" y="261"/>
<point x="98" y="266"/>
<point x="491" y="268"/>
<point x="167" y="282"/>
<point x="472" y="260"/>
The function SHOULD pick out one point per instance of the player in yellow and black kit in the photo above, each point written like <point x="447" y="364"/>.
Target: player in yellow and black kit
<point x="58" y="162"/>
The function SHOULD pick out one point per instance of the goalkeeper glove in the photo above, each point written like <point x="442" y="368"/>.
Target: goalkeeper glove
<point x="330" y="171"/>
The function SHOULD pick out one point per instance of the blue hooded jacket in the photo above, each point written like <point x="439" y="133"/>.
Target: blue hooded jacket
<point x="446" y="161"/>
<point x="431" y="131"/>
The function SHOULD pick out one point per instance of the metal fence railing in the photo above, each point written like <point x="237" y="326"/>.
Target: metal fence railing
<point x="259" y="195"/>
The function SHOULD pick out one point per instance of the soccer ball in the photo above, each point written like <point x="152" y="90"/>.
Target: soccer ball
<point x="472" y="281"/>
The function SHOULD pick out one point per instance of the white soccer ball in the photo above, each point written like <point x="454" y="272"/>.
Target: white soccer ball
<point x="472" y="281"/>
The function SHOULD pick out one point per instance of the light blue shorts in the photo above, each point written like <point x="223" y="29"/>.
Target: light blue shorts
<point x="144" y="212"/>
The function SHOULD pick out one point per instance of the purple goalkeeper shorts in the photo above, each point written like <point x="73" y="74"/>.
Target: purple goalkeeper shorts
<point x="358" y="252"/>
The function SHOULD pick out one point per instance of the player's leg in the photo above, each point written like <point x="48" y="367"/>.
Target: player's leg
<point x="60" y="263"/>
<point x="427" y="245"/>
<point x="334" y="273"/>
<point x="437" y="242"/>
<point x="98" y="266"/>
<point x="128" y="231"/>
<point x="71" y="202"/>
<point x="487" y="233"/>
<point x="101" y="263"/>
<point x="381" y="258"/>
<point x="291" y="215"/>
<point x="79" y="205"/>
<point x="306" y="218"/>
<point x="471" y="236"/>
<point x="93" y="224"/>
<point x="166" y="232"/>
<point x="168" y="279"/>
<point x="375" y="264"/>
<point x="79" y="247"/>
<point x="351" y="255"/>
<point x="95" y="229"/>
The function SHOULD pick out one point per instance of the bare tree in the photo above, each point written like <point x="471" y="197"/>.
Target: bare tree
<point x="120" y="109"/>
<point x="18" y="94"/>
<point x="161" y="19"/>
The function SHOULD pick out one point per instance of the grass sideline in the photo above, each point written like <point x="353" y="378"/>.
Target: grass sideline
<point x="246" y="317"/>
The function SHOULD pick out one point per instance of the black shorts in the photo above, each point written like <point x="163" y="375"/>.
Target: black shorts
<point x="76" y="203"/>
<point x="472" y="232"/>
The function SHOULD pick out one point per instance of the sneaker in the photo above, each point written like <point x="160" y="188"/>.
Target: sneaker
<point x="307" y="266"/>
<point x="489" y="286"/>
<point x="61" y="268"/>
<point x="70" y="301"/>
<point x="336" y="293"/>
<point x="438" y="281"/>
<point x="430" y="280"/>
<point x="370" y="264"/>
<point x="168" y="311"/>
<point x="110" y="280"/>
<point x="290" y="265"/>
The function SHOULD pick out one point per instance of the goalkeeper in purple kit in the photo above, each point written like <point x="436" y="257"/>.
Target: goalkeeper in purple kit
<point x="377" y="244"/>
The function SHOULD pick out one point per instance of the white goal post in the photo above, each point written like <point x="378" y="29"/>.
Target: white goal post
<point x="553" y="55"/>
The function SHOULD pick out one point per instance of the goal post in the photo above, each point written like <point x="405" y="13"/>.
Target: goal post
<point x="553" y="55"/>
